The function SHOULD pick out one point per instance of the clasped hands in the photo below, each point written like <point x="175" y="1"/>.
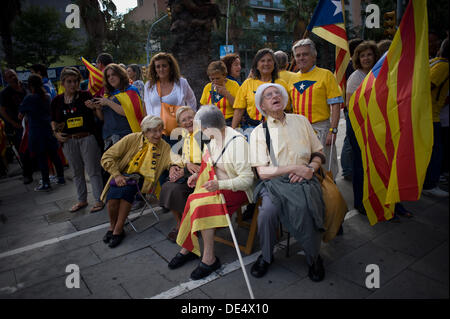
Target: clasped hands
<point x="300" y="173"/>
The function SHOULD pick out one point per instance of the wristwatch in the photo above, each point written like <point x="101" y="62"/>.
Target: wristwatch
<point x="312" y="168"/>
<point x="333" y="130"/>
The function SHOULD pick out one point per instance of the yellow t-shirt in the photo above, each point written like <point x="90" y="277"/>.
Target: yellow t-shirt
<point x="245" y="98"/>
<point x="312" y="92"/>
<point x="212" y="97"/>
<point x="438" y="77"/>
<point x="286" y="75"/>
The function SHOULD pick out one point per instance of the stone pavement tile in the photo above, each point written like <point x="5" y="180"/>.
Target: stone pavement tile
<point x="234" y="286"/>
<point x="435" y="264"/>
<point x="54" y="266"/>
<point x="3" y="245"/>
<point x="332" y="287"/>
<point x="436" y="214"/>
<point x="357" y="230"/>
<point x="59" y="192"/>
<point x="295" y="263"/>
<point x="51" y="289"/>
<point x="7" y="279"/>
<point x="84" y="219"/>
<point x="41" y="234"/>
<point x="412" y="238"/>
<point x="141" y="273"/>
<point x="353" y="266"/>
<point x="33" y="255"/>
<point x="132" y="242"/>
<point x="194" y="294"/>
<point x="411" y="285"/>
<point x="112" y="292"/>
<point x="16" y="227"/>
<point x="84" y="240"/>
<point x="25" y="209"/>
<point x="17" y="206"/>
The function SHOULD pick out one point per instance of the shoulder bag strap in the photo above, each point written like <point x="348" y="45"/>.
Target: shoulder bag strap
<point x="269" y="144"/>
<point x="223" y="150"/>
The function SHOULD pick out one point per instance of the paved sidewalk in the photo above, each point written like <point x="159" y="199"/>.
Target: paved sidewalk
<point x="39" y="238"/>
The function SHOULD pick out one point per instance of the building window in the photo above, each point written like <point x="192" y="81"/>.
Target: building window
<point x="276" y="19"/>
<point x="254" y="2"/>
<point x="261" y="18"/>
<point x="140" y="3"/>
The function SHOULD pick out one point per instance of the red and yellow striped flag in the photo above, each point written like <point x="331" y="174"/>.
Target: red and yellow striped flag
<point x="391" y="115"/>
<point x="132" y="106"/>
<point x="328" y="23"/>
<point x="203" y="210"/>
<point x="95" y="77"/>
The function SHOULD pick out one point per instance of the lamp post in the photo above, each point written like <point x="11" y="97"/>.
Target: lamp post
<point x="148" y="47"/>
<point x="226" y="32"/>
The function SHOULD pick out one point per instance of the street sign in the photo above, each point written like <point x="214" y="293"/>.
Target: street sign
<point x="225" y="49"/>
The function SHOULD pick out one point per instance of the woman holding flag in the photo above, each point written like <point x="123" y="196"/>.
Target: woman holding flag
<point x="221" y="91"/>
<point x="223" y="184"/>
<point x="121" y="108"/>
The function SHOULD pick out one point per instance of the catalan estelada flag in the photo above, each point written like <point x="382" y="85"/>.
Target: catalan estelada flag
<point x="132" y="105"/>
<point x="95" y="77"/>
<point x="391" y="115"/>
<point x="203" y="210"/>
<point x="328" y="23"/>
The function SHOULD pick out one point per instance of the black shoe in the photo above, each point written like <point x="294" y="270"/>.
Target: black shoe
<point x="361" y="210"/>
<point x="107" y="236"/>
<point x="260" y="267"/>
<point x="116" y="239"/>
<point x="203" y="270"/>
<point x="180" y="259"/>
<point x="316" y="270"/>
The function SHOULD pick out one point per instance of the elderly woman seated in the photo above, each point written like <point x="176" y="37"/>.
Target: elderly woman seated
<point x="288" y="188"/>
<point x="174" y="195"/>
<point x="228" y="151"/>
<point x="142" y="154"/>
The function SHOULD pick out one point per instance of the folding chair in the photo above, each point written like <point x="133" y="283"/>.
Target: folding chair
<point x="252" y="226"/>
<point x="147" y="204"/>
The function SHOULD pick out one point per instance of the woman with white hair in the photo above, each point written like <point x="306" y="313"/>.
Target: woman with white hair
<point x="143" y="153"/>
<point x="286" y="152"/>
<point x="174" y="194"/>
<point x="228" y="150"/>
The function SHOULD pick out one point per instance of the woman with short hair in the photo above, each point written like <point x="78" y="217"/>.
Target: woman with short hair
<point x="228" y="150"/>
<point x="173" y="195"/>
<point x="73" y="122"/>
<point x="233" y="63"/>
<point x="143" y="153"/>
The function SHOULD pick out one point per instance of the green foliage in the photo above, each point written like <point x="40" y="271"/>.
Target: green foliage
<point x="40" y="37"/>
<point x="125" y="40"/>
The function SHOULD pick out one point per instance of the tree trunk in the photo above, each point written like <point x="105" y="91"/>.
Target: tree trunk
<point x="191" y="27"/>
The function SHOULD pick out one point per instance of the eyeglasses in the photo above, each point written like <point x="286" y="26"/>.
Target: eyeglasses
<point x="272" y="95"/>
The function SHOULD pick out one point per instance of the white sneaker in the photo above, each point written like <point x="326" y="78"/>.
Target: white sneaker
<point x="435" y="192"/>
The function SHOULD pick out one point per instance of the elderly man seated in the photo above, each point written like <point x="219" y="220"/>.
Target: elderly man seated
<point x="228" y="150"/>
<point x="142" y="153"/>
<point x="286" y="152"/>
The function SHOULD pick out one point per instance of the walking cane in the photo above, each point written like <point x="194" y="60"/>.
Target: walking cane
<point x="236" y="245"/>
<point x="331" y="153"/>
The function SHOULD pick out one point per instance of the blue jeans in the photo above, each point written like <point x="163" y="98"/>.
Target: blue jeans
<point x="434" y="167"/>
<point x="347" y="153"/>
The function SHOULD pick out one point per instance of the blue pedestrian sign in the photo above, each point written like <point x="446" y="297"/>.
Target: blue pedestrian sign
<point x="225" y="49"/>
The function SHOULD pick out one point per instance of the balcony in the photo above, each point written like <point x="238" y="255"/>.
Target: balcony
<point x="267" y="5"/>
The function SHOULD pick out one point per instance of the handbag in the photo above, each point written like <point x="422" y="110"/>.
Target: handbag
<point x="132" y="179"/>
<point x="168" y="114"/>
<point x="335" y="205"/>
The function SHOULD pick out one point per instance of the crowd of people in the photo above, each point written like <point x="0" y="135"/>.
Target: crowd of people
<point x="267" y="136"/>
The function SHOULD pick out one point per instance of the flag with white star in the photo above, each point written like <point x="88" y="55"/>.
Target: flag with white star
<point x="302" y="86"/>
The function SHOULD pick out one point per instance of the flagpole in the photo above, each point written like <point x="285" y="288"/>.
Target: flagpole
<point x="236" y="245"/>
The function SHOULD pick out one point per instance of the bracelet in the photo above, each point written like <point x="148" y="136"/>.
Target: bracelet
<point x="320" y="155"/>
